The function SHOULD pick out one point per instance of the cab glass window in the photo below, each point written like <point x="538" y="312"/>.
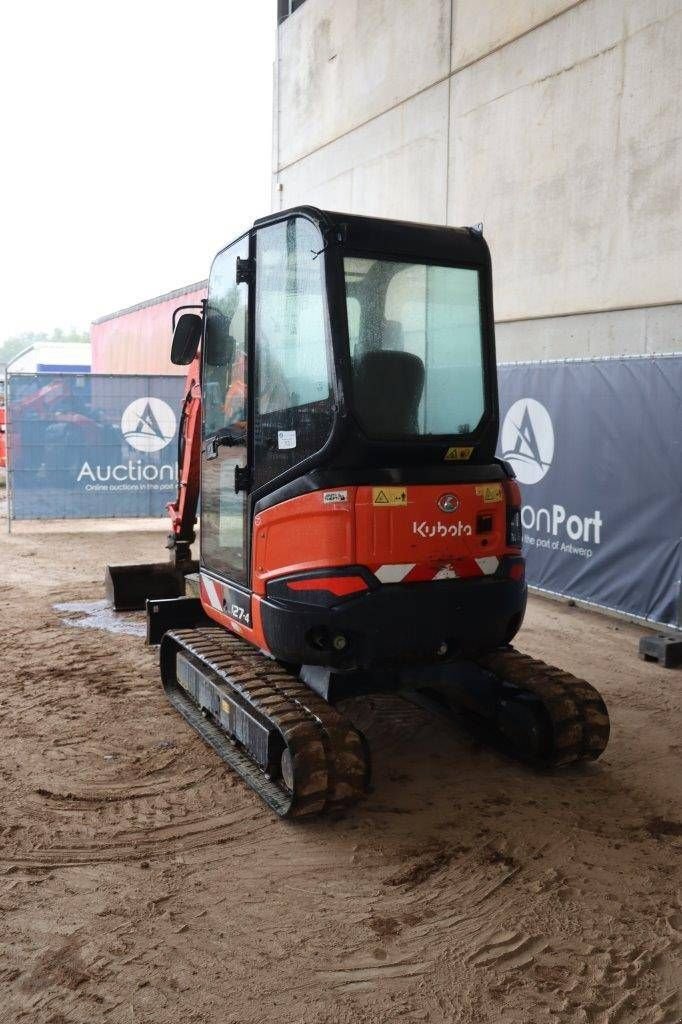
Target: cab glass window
<point x="293" y="392"/>
<point x="224" y="366"/>
<point x="224" y="532"/>
<point x="416" y="347"/>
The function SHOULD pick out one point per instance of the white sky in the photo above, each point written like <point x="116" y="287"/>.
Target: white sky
<point x="136" y="142"/>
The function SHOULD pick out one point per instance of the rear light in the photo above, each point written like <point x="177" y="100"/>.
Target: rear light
<point x="322" y="587"/>
<point x="339" y="586"/>
<point x="515" y="569"/>
<point x="514" y="527"/>
<point x="512" y="492"/>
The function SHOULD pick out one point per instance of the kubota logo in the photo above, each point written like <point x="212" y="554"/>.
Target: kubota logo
<point x="148" y="424"/>
<point x="528" y="440"/>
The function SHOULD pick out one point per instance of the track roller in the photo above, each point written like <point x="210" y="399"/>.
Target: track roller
<point x="297" y="752"/>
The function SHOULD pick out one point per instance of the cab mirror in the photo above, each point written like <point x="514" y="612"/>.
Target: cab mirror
<point x="186" y="338"/>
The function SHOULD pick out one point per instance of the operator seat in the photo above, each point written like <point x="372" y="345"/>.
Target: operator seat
<point x="388" y="388"/>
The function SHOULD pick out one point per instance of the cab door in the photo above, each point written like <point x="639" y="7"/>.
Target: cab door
<point x="225" y="440"/>
<point x="293" y="399"/>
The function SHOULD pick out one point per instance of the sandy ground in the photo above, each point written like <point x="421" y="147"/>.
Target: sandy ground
<point x="141" y="883"/>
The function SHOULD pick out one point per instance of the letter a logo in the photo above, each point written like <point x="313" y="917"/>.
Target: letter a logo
<point x="148" y="424"/>
<point x="527" y="440"/>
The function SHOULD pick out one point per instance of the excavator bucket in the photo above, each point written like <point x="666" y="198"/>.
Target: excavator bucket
<point x="129" y="586"/>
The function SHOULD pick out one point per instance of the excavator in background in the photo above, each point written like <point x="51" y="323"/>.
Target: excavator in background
<point x="358" y="533"/>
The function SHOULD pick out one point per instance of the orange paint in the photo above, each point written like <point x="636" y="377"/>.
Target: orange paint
<point x="253" y="635"/>
<point x="302" y="534"/>
<point x="311" y="532"/>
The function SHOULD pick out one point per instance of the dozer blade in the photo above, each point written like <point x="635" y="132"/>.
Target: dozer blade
<point x="129" y="586"/>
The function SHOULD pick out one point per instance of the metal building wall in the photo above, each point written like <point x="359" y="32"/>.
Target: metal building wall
<point x="555" y="122"/>
<point x="137" y="339"/>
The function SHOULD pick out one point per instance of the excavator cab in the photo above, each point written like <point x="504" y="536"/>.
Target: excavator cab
<point x="348" y="383"/>
<point x="357" y="528"/>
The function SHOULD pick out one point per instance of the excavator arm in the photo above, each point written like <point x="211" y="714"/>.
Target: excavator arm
<point x="183" y="511"/>
<point x="128" y="587"/>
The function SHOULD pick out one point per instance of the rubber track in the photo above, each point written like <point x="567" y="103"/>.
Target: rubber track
<point x="578" y="715"/>
<point x="329" y="756"/>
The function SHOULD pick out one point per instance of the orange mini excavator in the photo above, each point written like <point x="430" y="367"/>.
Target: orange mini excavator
<point x="358" y="533"/>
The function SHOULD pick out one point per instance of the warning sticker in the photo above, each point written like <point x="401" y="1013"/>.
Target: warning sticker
<point x="458" y="454"/>
<point x="490" y="492"/>
<point x="389" y="496"/>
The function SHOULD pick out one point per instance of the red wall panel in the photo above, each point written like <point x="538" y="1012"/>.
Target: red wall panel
<point x="137" y="340"/>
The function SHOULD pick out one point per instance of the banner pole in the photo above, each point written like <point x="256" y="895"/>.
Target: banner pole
<point x="8" y="471"/>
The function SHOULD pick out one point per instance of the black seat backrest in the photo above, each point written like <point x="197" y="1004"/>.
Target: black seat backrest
<point x="388" y="389"/>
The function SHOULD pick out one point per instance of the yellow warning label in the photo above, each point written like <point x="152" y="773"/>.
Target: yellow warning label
<point x="490" y="492"/>
<point x="224" y="706"/>
<point x="389" y="496"/>
<point x="458" y="454"/>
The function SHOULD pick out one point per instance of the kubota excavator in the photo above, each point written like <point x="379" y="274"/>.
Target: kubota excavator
<point x="358" y="533"/>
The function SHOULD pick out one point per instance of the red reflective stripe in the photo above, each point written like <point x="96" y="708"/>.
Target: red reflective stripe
<point x="340" y="586"/>
<point x="421" y="573"/>
<point x="468" y="567"/>
<point x="461" y="568"/>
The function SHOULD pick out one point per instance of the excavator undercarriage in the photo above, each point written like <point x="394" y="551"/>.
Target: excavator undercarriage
<point x="303" y="756"/>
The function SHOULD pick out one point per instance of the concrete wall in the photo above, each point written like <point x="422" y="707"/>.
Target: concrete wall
<point x="555" y="122"/>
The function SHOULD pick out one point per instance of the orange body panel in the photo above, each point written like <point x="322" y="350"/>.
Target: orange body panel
<point x="421" y="532"/>
<point x="351" y="526"/>
<point x="303" y="533"/>
<point x="211" y="602"/>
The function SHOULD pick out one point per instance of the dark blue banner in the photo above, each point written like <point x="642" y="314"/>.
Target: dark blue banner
<point x="597" y="449"/>
<point x="87" y="446"/>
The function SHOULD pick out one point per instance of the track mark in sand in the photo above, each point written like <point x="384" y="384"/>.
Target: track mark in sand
<point x="120" y="794"/>
<point x="667" y="1009"/>
<point x="147" y="843"/>
<point x="507" y="951"/>
<point x="365" y="977"/>
<point x="674" y="923"/>
<point x="421" y="870"/>
<point x="61" y="964"/>
<point x="663" y="827"/>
